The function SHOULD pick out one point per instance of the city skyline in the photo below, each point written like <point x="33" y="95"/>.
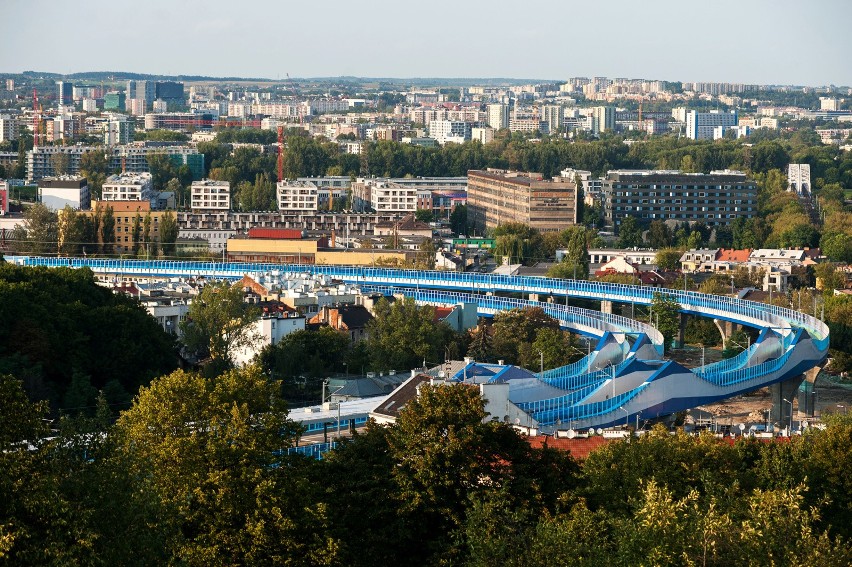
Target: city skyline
<point x="759" y="42"/>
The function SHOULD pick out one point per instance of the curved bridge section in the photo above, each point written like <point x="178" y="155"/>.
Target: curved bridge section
<point x="621" y="380"/>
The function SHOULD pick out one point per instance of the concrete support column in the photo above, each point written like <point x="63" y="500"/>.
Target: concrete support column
<point x="724" y="330"/>
<point x="681" y="332"/>
<point x="606" y="307"/>
<point x="781" y="391"/>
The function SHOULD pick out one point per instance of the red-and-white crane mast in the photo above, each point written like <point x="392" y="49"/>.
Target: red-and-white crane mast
<point x="280" y="153"/>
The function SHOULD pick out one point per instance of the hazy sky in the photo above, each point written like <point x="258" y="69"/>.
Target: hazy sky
<point x="749" y="41"/>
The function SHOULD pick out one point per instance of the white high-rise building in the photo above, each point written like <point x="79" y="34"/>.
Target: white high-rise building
<point x="208" y="194"/>
<point x="603" y="118"/>
<point x="799" y="178"/>
<point x="701" y="125"/>
<point x="445" y="131"/>
<point x="118" y="130"/>
<point x="827" y="103"/>
<point x="297" y="196"/>
<point x="552" y="114"/>
<point x="498" y="116"/>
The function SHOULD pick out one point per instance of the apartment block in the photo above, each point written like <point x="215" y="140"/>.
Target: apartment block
<point x="701" y="125"/>
<point x="445" y="131"/>
<point x="717" y="198"/>
<point x="498" y="116"/>
<point x="8" y="128"/>
<point x="208" y="194"/>
<point x="496" y="196"/>
<point x="296" y="196"/>
<point x="128" y="187"/>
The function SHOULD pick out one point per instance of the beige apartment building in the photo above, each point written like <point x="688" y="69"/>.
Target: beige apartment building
<point x="495" y="197"/>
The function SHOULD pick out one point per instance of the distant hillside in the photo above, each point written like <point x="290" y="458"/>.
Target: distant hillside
<point x="413" y="81"/>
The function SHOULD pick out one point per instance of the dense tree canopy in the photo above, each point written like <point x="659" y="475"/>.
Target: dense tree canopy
<point x="56" y="324"/>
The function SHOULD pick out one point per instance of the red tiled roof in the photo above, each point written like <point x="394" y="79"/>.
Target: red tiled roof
<point x="732" y="255"/>
<point x="579" y="447"/>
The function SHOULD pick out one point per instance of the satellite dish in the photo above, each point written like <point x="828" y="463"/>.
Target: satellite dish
<point x="441" y="374"/>
<point x="571" y="434"/>
<point x="600" y="431"/>
<point x="741" y="426"/>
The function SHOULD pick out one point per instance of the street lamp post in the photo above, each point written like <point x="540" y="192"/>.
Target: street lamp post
<point x="541" y="366"/>
<point x="790" y="431"/>
<point x="626" y="416"/>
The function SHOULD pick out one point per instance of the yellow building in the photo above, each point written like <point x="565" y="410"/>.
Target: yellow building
<point x="124" y="212"/>
<point x="295" y="251"/>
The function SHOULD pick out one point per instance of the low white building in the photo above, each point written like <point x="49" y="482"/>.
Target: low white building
<point x="58" y="192"/>
<point x="169" y="313"/>
<point x="217" y="238"/>
<point x="128" y="187"/>
<point x="269" y="330"/>
<point x="296" y="196"/>
<point x="210" y="195"/>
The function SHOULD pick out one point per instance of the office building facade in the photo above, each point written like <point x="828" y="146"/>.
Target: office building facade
<point x="718" y="198"/>
<point x="495" y="197"/>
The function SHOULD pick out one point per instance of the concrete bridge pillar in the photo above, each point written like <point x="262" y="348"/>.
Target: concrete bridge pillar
<point x="606" y="307"/>
<point x="781" y="391"/>
<point x="681" y="332"/>
<point x="726" y="329"/>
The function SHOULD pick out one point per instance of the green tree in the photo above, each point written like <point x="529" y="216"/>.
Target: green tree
<point x="669" y="258"/>
<point x="659" y="235"/>
<point x="59" y="162"/>
<point x="150" y="246"/>
<point x="162" y="169"/>
<point x="576" y="259"/>
<point x="108" y="230"/>
<point x="458" y="220"/>
<point x="837" y="246"/>
<point x="480" y="344"/>
<point x="168" y="233"/>
<point x="424" y="215"/>
<point x="517" y="242"/>
<point x="402" y="335"/>
<point x="70" y="231"/>
<point x="41" y="229"/>
<point x="206" y="458"/>
<point x="515" y="330"/>
<point x="629" y="233"/>
<point x="219" y="323"/>
<point x="666" y="316"/>
<point x="136" y="234"/>
<point x="94" y="166"/>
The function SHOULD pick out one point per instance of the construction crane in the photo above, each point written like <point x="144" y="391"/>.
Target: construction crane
<point x="280" y="153"/>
